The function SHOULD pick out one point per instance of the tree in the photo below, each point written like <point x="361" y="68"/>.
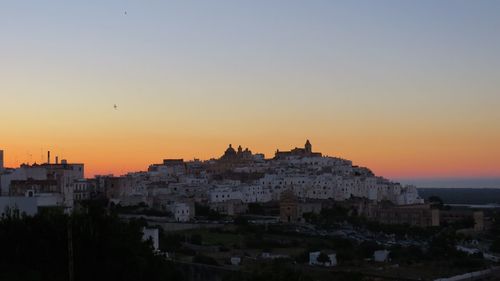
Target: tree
<point x="196" y="239"/>
<point x="278" y="270"/>
<point x="443" y="245"/>
<point x="201" y="210"/>
<point x="205" y="211"/>
<point x="205" y="260"/>
<point x="495" y="227"/>
<point x="323" y="258"/>
<point x="104" y="248"/>
<point x="495" y="246"/>
<point x="256" y="209"/>
<point x="436" y="201"/>
<point x="241" y="221"/>
<point x="349" y="276"/>
<point x="171" y="242"/>
<point x="311" y="217"/>
<point x="368" y="247"/>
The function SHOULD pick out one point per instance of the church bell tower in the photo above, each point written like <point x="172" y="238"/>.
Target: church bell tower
<point x="308" y="147"/>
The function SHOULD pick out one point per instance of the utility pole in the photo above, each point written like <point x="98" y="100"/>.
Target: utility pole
<point x="71" y="276"/>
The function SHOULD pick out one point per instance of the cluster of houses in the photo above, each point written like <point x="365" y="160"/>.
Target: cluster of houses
<point x="227" y="184"/>
<point x="30" y="187"/>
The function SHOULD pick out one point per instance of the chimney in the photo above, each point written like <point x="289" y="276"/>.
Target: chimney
<point x="48" y="157"/>
<point x="57" y="159"/>
<point x="1" y="160"/>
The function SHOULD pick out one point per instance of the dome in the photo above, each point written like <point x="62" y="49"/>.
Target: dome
<point x="230" y="151"/>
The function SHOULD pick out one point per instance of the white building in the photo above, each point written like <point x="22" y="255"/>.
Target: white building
<point x="81" y="190"/>
<point x="223" y="194"/>
<point x="255" y="193"/>
<point x="22" y="173"/>
<point x="313" y="259"/>
<point x="49" y="200"/>
<point x="153" y="235"/>
<point x="20" y="205"/>
<point x="182" y="212"/>
<point x="169" y="168"/>
<point x="381" y="255"/>
<point x="408" y="196"/>
<point x="63" y="173"/>
<point x="235" y="261"/>
<point x="190" y="180"/>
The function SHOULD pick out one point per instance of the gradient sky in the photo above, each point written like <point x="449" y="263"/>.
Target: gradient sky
<point x="410" y="89"/>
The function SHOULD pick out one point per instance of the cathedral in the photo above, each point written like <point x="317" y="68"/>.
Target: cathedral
<point x="298" y="152"/>
<point x="231" y="155"/>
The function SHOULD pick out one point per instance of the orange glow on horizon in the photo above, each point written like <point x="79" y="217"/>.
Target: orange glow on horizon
<point x="391" y="161"/>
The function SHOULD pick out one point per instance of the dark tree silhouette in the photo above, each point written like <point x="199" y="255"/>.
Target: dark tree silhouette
<point x="104" y="248"/>
<point x="436" y="201"/>
<point x="323" y="258"/>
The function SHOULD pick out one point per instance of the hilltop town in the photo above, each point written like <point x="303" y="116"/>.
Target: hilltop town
<point x="227" y="184"/>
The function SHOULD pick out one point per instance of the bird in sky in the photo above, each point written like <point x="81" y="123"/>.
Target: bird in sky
<point x="115" y="107"/>
<point x="125" y="12"/>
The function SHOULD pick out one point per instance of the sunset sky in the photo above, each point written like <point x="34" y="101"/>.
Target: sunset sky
<point x="410" y="89"/>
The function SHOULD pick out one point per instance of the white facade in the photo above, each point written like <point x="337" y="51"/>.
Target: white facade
<point x="313" y="259"/>
<point x="381" y="255"/>
<point x="225" y="194"/>
<point x="181" y="212"/>
<point x="29" y="205"/>
<point x="194" y="180"/>
<point x="235" y="260"/>
<point x="255" y="193"/>
<point x="338" y="186"/>
<point x="245" y="193"/>
<point x="20" y="205"/>
<point x="80" y="190"/>
<point x="49" y="200"/>
<point x="153" y="234"/>
<point x="408" y="196"/>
